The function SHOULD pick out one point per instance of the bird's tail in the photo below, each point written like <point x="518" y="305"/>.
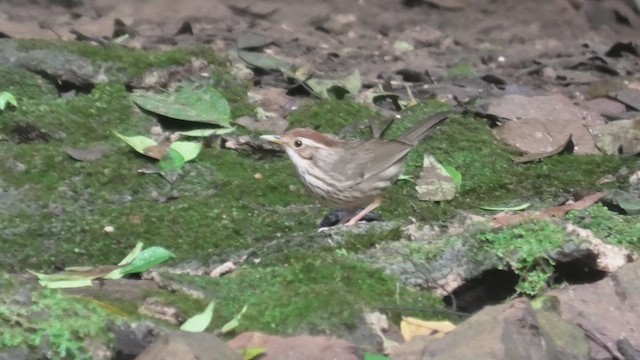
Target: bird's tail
<point x="422" y="128"/>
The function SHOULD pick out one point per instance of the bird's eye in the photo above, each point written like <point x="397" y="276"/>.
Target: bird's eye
<point x="297" y="144"/>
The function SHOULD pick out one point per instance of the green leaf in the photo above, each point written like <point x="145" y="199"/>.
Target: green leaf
<point x="455" y="175"/>
<point x="252" y="353"/>
<point x="188" y="149"/>
<point x="336" y="88"/>
<point x="137" y="142"/>
<point x="132" y="255"/>
<point x="199" y="322"/>
<point x="233" y="323"/>
<point x="66" y="284"/>
<point x="207" y="132"/>
<point x="7" y="98"/>
<point x="147" y="259"/>
<point x="372" y="356"/>
<point x="172" y="161"/>
<point x="264" y="61"/>
<point x="507" y="208"/>
<point x="205" y="105"/>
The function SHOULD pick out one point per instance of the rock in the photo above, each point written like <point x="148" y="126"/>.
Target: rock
<point x="508" y="331"/>
<point x="337" y="24"/>
<point x="189" y="346"/>
<point x="607" y="309"/>
<point x="541" y="123"/>
<point x="297" y="347"/>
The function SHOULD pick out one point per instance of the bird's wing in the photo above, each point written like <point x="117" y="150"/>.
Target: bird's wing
<point x="374" y="157"/>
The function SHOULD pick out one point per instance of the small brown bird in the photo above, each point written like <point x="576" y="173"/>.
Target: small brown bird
<point x="349" y="175"/>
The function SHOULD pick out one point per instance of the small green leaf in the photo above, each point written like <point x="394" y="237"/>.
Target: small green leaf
<point x="252" y="353"/>
<point x="147" y="259"/>
<point x="205" y="105"/>
<point x="455" y="175"/>
<point x="188" y="149"/>
<point x="172" y="161"/>
<point x="137" y="142"/>
<point x="199" y="322"/>
<point x="503" y="208"/>
<point x="7" y="98"/>
<point x="132" y="255"/>
<point x="233" y="323"/>
<point x="207" y="132"/>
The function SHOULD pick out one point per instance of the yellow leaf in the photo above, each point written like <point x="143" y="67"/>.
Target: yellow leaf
<point x="411" y="327"/>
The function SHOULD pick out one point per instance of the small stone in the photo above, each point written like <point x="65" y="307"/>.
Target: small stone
<point x="108" y="229"/>
<point x="257" y="176"/>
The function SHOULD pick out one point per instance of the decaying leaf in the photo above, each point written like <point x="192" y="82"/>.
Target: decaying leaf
<point x="411" y="327"/>
<point x="205" y="105"/>
<point x="264" y="61"/>
<point x="335" y="88"/>
<point x="273" y="124"/>
<point x="564" y="148"/>
<point x="501" y="220"/>
<point x="88" y="154"/>
<point x="252" y="41"/>
<point x="435" y="183"/>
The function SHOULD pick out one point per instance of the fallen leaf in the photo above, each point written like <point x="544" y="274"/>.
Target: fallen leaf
<point x="199" y="322"/>
<point x="7" y="98"/>
<point x="89" y="154"/>
<point x="564" y="148"/>
<point x="553" y="212"/>
<point x="335" y="88"/>
<point x="434" y="183"/>
<point x="233" y="323"/>
<point x="500" y="208"/>
<point x="252" y="41"/>
<point x="264" y="61"/>
<point x="205" y="105"/>
<point x="207" y="132"/>
<point x="629" y="97"/>
<point x="157" y="151"/>
<point x="188" y="149"/>
<point x="138" y="143"/>
<point x="411" y="327"/>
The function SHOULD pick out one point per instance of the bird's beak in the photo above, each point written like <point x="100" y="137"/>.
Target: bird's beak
<point x="272" y="138"/>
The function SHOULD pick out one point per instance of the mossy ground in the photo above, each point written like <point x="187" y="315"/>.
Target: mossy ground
<point x="58" y="206"/>
<point x="47" y="322"/>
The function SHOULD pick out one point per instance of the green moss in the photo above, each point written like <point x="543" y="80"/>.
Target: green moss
<point x="609" y="226"/>
<point x="525" y="249"/>
<point x="330" y="116"/>
<point x="51" y="320"/>
<point x="319" y="294"/>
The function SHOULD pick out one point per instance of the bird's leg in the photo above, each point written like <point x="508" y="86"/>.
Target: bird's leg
<point x="376" y="202"/>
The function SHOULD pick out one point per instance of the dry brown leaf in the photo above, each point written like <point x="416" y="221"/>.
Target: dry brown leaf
<point x="411" y="327"/>
<point x="501" y="220"/>
<point x="157" y="151"/>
